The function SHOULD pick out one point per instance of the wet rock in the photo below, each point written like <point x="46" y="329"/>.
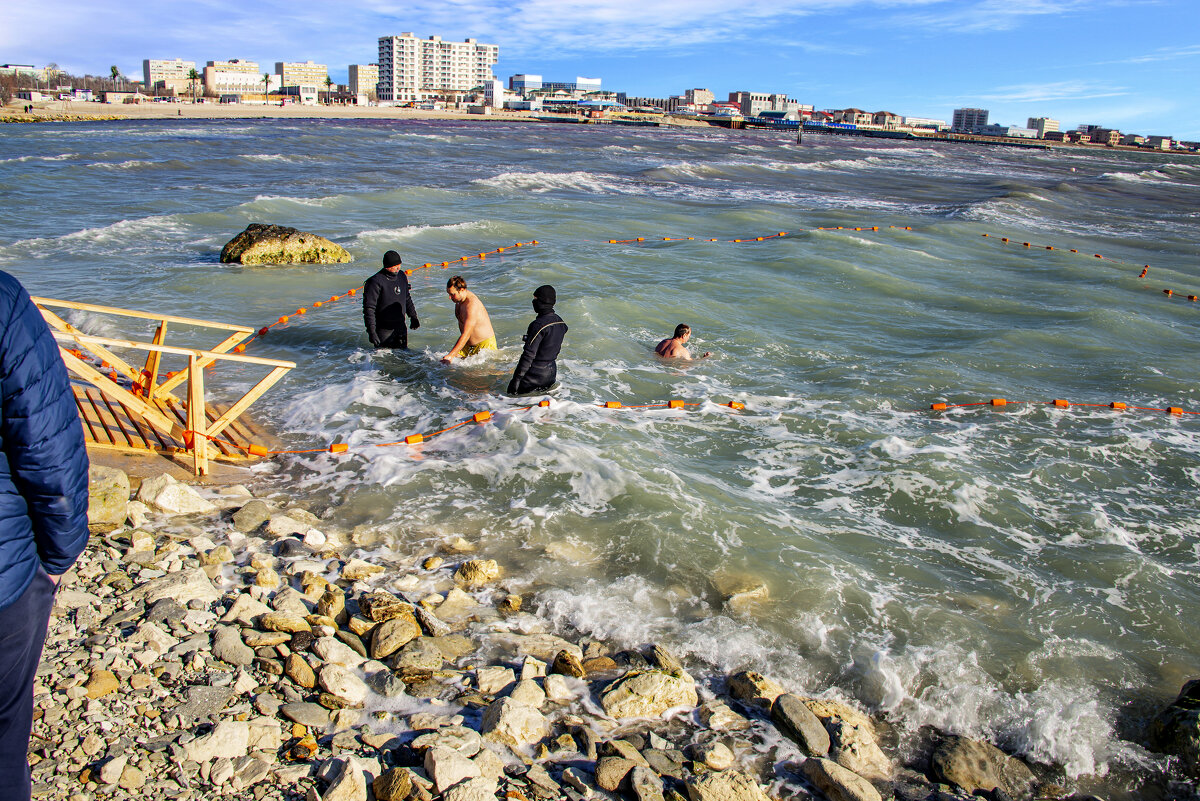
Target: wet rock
<point x="476" y="572"/>
<point x="460" y="739"/>
<point x="754" y="689"/>
<point x="567" y="663"/>
<point x="392" y="785"/>
<point x="227" y="646"/>
<point x="357" y="570"/>
<point x="108" y="499"/>
<point x="260" y="243"/>
<point x="166" y="494"/>
<point x="794" y="719"/>
<point x="837" y="783"/>
<point x="664" y="660"/>
<point x="386" y="684"/>
<point x="419" y="656"/>
<point x="730" y="785"/>
<point x="853" y="746"/>
<point x="510" y="723"/>
<point x="974" y="765"/>
<point x="393" y="634"/>
<point x="717" y="716"/>
<point x="283" y="621"/>
<point x="291" y="548"/>
<point x="342" y="683"/>
<point x="1176" y="730"/>
<point x="612" y="770"/>
<point x="431" y="623"/>
<point x="251" y="516"/>
<point x="648" y="693"/>
<point x="715" y="755"/>
<point x="382" y="606"/>
<point x="493" y="680"/>
<point x="558" y="689"/>
<point x="645" y="785"/>
<point x="529" y="693"/>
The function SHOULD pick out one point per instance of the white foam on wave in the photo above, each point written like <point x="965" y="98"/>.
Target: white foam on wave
<point x="409" y="231"/>
<point x="539" y="182"/>
<point x="1145" y="176"/>
<point x="314" y="202"/>
<point x="272" y="157"/>
<point x="21" y="159"/>
<point x="124" y="165"/>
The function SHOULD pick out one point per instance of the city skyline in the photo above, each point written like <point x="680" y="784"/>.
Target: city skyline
<point x="1129" y="64"/>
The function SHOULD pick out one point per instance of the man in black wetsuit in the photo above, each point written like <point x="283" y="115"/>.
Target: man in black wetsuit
<point x="537" y="369"/>
<point x="385" y="302"/>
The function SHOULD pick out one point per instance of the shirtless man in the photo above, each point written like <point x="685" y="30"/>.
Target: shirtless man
<point x="475" y="327"/>
<point x="673" y="348"/>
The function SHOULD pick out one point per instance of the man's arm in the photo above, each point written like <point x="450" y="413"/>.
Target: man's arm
<point x="370" y="299"/>
<point x="468" y="327"/>
<point x="409" y="308"/>
<point x="42" y="436"/>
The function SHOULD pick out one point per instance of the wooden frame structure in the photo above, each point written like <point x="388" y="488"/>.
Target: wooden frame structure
<point x="151" y="402"/>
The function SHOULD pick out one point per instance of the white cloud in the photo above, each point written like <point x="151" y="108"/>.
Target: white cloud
<point x="1052" y="91"/>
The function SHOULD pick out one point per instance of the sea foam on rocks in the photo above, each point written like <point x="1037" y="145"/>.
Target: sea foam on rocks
<point x="170" y="664"/>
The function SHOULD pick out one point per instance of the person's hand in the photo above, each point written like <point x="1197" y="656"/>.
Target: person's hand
<point x="512" y="387"/>
<point x="415" y="324"/>
<point x="446" y="359"/>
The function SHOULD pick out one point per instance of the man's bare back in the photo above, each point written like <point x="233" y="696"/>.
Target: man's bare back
<point x="673" y="347"/>
<point x="474" y="325"/>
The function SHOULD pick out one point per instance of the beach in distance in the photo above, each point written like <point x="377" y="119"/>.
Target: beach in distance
<point x="804" y="582"/>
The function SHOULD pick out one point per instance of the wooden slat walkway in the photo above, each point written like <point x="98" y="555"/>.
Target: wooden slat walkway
<point x="110" y="425"/>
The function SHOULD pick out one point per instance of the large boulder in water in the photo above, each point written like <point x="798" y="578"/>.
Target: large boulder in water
<point x="278" y="244"/>
<point x="1176" y="730"/>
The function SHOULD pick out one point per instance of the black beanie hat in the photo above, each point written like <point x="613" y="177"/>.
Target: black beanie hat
<point x="545" y="294"/>
<point x="391" y="258"/>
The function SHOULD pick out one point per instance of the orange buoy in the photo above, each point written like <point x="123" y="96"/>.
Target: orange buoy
<point x="1168" y="292"/>
<point x="338" y="447"/>
<point x="301" y="311"/>
<point x="262" y="332"/>
<point x="612" y="404"/>
<point x="317" y="304"/>
<point x="675" y="404"/>
<point x="414" y="439"/>
<point x="999" y="402"/>
<point x="1062" y="404"/>
<point x="482" y="417"/>
<point x="736" y="405"/>
<point x="1116" y="405"/>
<point x="545" y="402"/>
<point x="257" y="450"/>
<point x="940" y="407"/>
<point x="1174" y="410"/>
<point x="240" y="349"/>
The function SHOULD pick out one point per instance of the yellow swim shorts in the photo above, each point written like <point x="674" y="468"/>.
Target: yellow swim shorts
<point x="471" y="350"/>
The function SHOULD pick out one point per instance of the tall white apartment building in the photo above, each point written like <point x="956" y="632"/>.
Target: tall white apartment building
<point x="301" y="73"/>
<point x="160" y="75"/>
<point x="417" y="69"/>
<point x="363" y="78"/>
<point x="235" y="77"/>
<point x="966" y="120"/>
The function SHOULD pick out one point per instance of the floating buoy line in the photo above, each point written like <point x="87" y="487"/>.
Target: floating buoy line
<point x="418" y="438"/>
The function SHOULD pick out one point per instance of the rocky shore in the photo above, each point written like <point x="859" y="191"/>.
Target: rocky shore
<point x="209" y="645"/>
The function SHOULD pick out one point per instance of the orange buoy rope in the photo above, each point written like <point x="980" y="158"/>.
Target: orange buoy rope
<point x="1060" y="403"/>
<point x="477" y="417"/>
<point x="747" y="239"/>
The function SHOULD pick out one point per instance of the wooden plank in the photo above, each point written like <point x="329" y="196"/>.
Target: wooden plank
<point x="127" y="430"/>
<point x="109" y="435"/>
<point x="81" y="402"/>
<point x="144" y="431"/>
<point x="197" y="416"/>
<point x="249" y="398"/>
<point x="69" y="304"/>
<point x="153" y="416"/>
<point x="115" y="431"/>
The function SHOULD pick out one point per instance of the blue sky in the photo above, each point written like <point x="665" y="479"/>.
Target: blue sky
<point x="1131" y="64"/>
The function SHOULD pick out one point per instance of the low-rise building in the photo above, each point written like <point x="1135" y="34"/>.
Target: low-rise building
<point x="853" y="116"/>
<point x="698" y="97"/>
<point x="885" y="119"/>
<point x="301" y="73"/>
<point x="1042" y="125"/>
<point x="523" y="83"/>
<point x="1056" y="136"/>
<point x="924" y="123"/>
<point x="237" y="77"/>
<point x="1159" y="142"/>
<point x="1133" y="140"/>
<point x="754" y="103"/>
<point x="1011" y="131"/>
<point x="304" y="95"/>
<point x="161" y="76"/>
<point x="968" y="120"/>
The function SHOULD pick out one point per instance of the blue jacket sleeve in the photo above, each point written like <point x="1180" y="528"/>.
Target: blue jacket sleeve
<point x="41" y="432"/>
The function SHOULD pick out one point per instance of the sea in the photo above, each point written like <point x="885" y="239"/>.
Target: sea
<point x="1028" y="573"/>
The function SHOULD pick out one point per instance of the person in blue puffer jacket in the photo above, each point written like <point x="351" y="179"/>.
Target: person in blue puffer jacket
<point x="43" y="511"/>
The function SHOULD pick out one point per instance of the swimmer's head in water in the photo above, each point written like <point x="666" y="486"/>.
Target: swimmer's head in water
<point x="682" y="329"/>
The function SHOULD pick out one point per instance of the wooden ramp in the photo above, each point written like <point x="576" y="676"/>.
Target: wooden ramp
<point x="109" y="424"/>
<point x="132" y="407"/>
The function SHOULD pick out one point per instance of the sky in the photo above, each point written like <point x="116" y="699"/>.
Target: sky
<point x="1128" y="64"/>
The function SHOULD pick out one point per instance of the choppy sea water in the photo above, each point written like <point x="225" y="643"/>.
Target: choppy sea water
<point x="1027" y="573"/>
